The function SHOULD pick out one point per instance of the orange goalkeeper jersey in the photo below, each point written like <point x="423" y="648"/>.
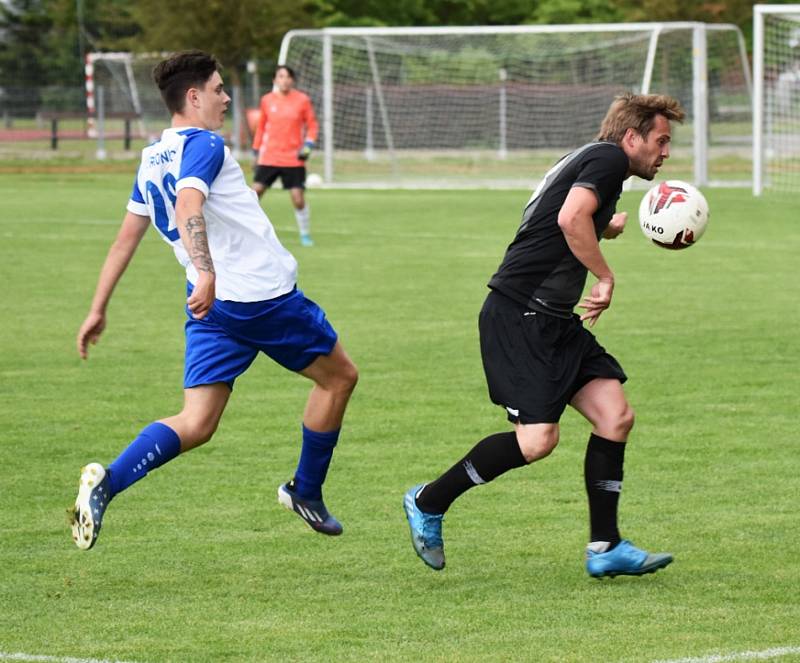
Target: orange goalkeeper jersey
<point x="284" y="123"/>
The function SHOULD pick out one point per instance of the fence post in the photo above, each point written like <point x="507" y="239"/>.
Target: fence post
<point x="369" y="152"/>
<point x="327" y="105"/>
<point x="101" y="153"/>
<point x="700" y="103"/>
<point x="54" y="133"/>
<point x="502" y="150"/>
<point x="236" y="131"/>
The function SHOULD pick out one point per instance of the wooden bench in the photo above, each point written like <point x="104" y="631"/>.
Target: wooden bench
<point x="55" y="116"/>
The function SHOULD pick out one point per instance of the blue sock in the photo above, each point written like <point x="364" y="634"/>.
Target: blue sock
<point x="155" y="445"/>
<point x="315" y="458"/>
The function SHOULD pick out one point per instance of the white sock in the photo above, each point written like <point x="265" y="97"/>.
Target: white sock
<point x="303" y="217"/>
<point x="598" y="546"/>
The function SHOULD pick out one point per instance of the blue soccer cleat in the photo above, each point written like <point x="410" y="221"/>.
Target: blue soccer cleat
<point x="305" y="239"/>
<point x="90" y="505"/>
<point x="426" y="530"/>
<point x="625" y="559"/>
<point x="312" y="511"/>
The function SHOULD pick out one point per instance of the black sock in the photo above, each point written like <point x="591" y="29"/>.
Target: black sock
<point x="487" y="460"/>
<point x="603" y="476"/>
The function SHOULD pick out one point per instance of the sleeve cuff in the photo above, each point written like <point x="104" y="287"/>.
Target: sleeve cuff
<point x="138" y="208"/>
<point x="591" y="187"/>
<point x="192" y="183"/>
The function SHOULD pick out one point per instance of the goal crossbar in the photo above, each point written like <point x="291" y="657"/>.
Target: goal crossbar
<point x="367" y="38"/>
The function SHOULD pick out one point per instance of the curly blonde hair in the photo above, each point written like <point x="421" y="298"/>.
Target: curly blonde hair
<point x="637" y="112"/>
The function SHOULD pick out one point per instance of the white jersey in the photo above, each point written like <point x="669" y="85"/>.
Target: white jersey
<point x="250" y="263"/>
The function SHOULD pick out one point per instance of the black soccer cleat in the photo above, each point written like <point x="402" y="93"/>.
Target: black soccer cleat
<point x="312" y="511"/>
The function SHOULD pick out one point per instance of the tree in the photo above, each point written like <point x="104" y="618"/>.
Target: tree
<point x="234" y="32"/>
<point x="40" y="61"/>
<point x="421" y="12"/>
<point x="578" y="11"/>
<point x="368" y="13"/>
<point x="94" y="25"/>
<point x="80" y="26"/>
<point x="24" y="49"/>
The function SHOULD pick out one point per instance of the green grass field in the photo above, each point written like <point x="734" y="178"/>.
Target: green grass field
<point x="199" y="562"/>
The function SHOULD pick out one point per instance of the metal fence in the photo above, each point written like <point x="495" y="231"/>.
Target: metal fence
<point x="55" y="121"/>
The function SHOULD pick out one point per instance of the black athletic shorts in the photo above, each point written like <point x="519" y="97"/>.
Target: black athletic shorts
<point x="534" y="362"/>
<point x="292" y="177"/>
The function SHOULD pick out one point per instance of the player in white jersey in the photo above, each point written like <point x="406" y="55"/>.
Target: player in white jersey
<point x="242" y="300"/>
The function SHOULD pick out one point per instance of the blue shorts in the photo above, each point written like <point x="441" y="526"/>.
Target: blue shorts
<point x="290" y="329"/>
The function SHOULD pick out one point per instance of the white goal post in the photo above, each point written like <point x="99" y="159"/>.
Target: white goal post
<point x="776" y="98"/>
<point x="119" y="85"/>
<point x="119" y="88"/>
<point x="115" y="73"/>
<point x="472" y="106"/>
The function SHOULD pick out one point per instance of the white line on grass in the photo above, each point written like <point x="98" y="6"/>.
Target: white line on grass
<point x="20" y="656"/>
<point x="763" y="655"/>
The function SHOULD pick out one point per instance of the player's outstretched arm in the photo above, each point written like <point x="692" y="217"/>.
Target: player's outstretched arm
<point x="575" y="221"/>
<point x="119" y="255"/>
<point x="192" y="228"/>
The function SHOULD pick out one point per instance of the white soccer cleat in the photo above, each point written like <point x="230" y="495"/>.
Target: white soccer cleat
<point x="90" y="505"/>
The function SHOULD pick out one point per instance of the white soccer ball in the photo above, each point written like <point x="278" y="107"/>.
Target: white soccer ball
<point x="673" y="214"/>
<point x="313" y="180"/>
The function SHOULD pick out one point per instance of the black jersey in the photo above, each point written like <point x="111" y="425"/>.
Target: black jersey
<point x="539" y="271"/>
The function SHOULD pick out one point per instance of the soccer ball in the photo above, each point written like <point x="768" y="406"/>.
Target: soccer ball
<point x="313" y="180"/>
<point x="673" y="215"/>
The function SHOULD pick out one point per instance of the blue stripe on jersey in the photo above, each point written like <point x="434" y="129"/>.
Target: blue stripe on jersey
<point x="136" y="195"/>
<point x="203" y="154"/>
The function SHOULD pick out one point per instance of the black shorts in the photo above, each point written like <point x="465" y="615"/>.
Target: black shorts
<point x="292" y="177"/>
<point x="535" y="363"/>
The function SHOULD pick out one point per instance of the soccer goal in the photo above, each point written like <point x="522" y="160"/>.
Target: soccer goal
<point x="776" y="98"/>
<point x="493" y="106"/>
<point x="120" y="85"/>
<point x="120" y="89"/>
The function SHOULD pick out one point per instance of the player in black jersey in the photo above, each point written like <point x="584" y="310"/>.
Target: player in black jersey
<point x="537" y="354"/>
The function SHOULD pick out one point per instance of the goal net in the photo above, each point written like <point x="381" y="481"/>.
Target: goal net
<point x="776" y="117"/>
<point x="492" y="106"/>
<point x="119" y="87"/>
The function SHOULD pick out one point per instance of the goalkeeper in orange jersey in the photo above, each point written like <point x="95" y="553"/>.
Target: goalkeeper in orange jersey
<point x="286" y="134"/>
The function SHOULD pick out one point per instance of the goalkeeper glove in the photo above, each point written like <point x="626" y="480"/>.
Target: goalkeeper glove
<point x="305" y="151"/>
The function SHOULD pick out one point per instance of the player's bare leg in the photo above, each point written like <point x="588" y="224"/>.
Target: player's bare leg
<point x="334" y="377"/>
<point x="259" y="188"/>
<point x="202" y="410"/>
<point x="157" y="444"/>
<point x="302" y="215"/>
<point x="536" y="441"/>
<point x="603" y="403"/>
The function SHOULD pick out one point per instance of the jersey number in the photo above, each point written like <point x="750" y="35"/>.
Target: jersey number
<point x="160" y="206"/>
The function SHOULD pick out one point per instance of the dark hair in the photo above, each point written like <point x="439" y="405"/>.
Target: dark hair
<point x="286" y="68"/>
<point x="181" y="72"/>
<point x="637" y="112"/>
